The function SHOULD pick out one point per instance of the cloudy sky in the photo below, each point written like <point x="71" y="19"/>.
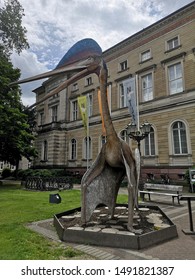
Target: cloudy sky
<point x="55" y="25"/>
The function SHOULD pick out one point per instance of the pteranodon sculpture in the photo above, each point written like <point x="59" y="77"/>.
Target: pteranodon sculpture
<point x="101" y="182"/>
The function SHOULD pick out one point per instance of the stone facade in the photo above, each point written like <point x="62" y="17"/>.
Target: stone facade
<point x="162" y="57"/>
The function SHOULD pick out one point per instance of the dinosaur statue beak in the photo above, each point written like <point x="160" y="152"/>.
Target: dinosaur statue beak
<point x="79" y="69"/>
<point x="67" y="69"/>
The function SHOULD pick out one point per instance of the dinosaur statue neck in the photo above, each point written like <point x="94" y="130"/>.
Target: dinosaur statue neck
<point x="110" y="131"/>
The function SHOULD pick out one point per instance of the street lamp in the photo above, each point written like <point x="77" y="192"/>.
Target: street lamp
<point x="140" y="134"/>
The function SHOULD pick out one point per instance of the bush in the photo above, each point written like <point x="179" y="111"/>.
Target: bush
<point x="23" y="174"/>
<point x="6" y="173"/>
<point x="187" y="178"/>
<point x="42" y="173"/>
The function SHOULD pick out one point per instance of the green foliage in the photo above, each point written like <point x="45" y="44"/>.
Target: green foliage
<point x="15" y="126"/>
<point x="71" y="253"/>
<point x="187" y="176"/>
<point x="13" y="34"/>
<point x="23" y="174"/>
<point x="15" y="132"/>
<point x="6" y="173"/>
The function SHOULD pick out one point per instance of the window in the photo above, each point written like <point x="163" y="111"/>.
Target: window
<point x="75" y="87"/>
<point x="108" y="71"/>
<point x="45" y="150"/>
<point x="173" y="43"/>
<point x="145" y="55"/>
<point x="124" y="136"/>
<point x="147" y="87"/>
<point x="74" y="110"/>
<point x="41" y="118"/>
<point x="122" y="96"/>
<point x="88" y="81"/>
<point x="87" y="148"/>
<point x="103" y="140"/>
<point x="54" y="113"/>
<point x="149" y="145"/>
<point x="175" y="78"/>
<point x="123" y="66"/>
<point x="73" y="147"/>
<point x="90" y="105"/>
<point x="1" y="165"/>
<point x="179" y="138"/>
<point x="55" y="96"/>
<point x="12" y="167"/>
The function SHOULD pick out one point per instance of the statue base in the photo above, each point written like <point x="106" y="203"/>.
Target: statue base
<point x="151" y="226"/>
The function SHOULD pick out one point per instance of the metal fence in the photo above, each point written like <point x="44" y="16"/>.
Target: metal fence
<point x="48" y="183"/>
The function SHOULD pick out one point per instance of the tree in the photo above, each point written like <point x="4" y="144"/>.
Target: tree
<point x="16" y="122"/>
<point x="15" y="132"/>
<point x="12" y="33"/>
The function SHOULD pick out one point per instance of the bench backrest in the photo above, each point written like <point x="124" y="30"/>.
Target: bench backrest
<point x="163" y="187"/>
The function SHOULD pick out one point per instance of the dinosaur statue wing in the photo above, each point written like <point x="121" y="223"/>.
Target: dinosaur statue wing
<point x="100" y="185"/>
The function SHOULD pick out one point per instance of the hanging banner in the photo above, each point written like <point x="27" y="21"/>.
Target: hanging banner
<point x="101" y="113"/>
<point x="82" y="102"/>
<point x="130" y="93"/>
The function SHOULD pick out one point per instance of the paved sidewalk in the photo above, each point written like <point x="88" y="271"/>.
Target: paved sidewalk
<point x="183" y="247"/>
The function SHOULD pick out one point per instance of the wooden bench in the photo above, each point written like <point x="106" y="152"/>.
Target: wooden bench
<point x="161" y="189"/>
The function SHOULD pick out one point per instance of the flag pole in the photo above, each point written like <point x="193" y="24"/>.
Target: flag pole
<point x="87" y="131"/>
<point x="137" y="99"/>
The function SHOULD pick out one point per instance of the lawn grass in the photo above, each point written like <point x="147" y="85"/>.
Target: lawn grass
<point x="19" y="207"/>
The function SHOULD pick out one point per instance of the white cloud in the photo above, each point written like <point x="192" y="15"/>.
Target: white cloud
<point x="29" y="65"/>
<point x="54" y="26"/>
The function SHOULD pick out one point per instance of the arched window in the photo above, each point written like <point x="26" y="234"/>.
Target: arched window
<point x="149" y="144"/>
<point x="123" y="135"/>
<point x="103" y="140"/>
<point x="45" y="150"/>
<point x="73" y="147"/>
<point x="87" y="148"/>
<point x="179" y="138"/>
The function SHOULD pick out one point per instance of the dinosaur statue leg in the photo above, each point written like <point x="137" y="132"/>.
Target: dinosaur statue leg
<point x="130" y="166"/>
<point x="130" y="196"/>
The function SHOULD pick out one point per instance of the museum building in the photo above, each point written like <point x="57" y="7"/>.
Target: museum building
<point x="162" y="57"/>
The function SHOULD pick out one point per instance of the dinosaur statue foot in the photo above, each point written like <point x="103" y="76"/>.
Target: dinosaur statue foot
<point x="130" y="228"/>
<point x="111" y="217"/>
<point x="133" y="230"/>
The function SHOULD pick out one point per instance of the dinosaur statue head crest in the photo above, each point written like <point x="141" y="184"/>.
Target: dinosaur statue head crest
<point x="84" y="49"/>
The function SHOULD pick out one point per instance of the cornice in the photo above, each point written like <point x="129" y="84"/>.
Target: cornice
<point x="182" y="54"/>
<point x="128" y="76"/>
<point x="153" y="66"/>
<point x="153" y="31"/>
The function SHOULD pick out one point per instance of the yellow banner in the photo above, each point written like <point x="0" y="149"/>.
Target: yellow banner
<point x="82" y="102"/>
